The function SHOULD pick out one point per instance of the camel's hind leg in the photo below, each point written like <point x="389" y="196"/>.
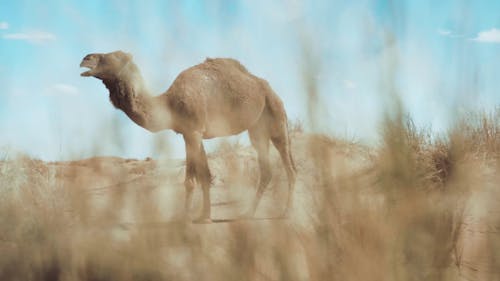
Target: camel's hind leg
<point x="281" y="141"/>
<point x="189" y="184"/>
<point x="260" y="141"/>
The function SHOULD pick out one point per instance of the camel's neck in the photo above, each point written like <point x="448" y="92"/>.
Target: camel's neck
<point x="130" y="96"/>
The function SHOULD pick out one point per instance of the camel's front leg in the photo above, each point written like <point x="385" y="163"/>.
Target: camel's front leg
<point x="190" y="179"/>
<point x="195" y="149"/>
<point x="205" y="178"/>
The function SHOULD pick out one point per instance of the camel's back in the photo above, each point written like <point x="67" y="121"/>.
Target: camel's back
<point x="225" y="72"/>
<point x="224" y="64"/>
<point x="222" y="94"/>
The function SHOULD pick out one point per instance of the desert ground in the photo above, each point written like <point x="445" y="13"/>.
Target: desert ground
<point x="411" y="208"/>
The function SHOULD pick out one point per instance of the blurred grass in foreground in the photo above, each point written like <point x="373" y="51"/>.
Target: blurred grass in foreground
<point x="396" y="213"/>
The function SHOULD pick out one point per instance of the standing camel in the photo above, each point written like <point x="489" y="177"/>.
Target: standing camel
<point x="216" y="98"/>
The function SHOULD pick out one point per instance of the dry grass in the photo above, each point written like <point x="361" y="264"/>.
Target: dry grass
<point x="396" y="212"/>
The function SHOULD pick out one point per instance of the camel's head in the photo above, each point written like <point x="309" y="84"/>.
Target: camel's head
<point x="106" y="66"/>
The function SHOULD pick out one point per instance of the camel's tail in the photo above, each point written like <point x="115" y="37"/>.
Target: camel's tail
<point x="290" y="147"/>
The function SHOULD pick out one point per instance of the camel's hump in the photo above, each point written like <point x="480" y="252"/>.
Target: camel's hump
<point x="225" y="61"/>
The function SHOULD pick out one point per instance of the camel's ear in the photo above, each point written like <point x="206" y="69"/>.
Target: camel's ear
<point x="129" y="56"/>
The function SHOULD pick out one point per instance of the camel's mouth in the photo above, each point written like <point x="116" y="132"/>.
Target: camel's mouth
<point x="89" y="63"/>
<point x="86" y="73"/>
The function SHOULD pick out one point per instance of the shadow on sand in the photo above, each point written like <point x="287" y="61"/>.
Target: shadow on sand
<point x="247" y="219"/>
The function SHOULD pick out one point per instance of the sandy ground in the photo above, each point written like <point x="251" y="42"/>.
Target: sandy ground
<point x="481" y="233"/>
<point x="162" y="180"/>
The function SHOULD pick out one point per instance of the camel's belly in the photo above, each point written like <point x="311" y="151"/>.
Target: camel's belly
<point x="222" y="126"/>
<point x="212" y="134"/>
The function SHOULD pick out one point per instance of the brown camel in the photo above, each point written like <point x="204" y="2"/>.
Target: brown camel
<point x="216" y="98"/>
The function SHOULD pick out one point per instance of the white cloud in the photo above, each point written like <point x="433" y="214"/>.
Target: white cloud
<point x="444" y="32"/>
<point x="62" y="89"/>
<point x="32" y="36"/>
<point x="4" y="25"/>
<point x="449" y="33"/>
<point x="488" y="36"/>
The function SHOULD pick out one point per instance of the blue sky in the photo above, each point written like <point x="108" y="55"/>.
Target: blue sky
<point x="441" y="57"/>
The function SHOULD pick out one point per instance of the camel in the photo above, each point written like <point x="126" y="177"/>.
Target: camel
<point x="216" y="98"/>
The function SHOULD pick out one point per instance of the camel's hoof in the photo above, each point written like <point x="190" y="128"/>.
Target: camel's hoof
<point x="202" y="220"/>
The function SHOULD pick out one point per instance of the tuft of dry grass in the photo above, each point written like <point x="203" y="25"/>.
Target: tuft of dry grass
<point x="395" y="212"/>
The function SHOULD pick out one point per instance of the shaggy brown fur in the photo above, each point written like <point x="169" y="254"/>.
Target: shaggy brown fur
<point x="218" y="97"/>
